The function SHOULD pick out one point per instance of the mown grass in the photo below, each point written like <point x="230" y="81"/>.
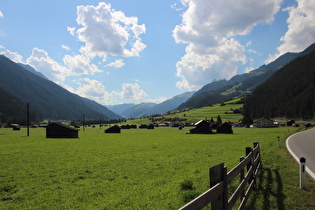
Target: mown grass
<point x="138" y="169"/>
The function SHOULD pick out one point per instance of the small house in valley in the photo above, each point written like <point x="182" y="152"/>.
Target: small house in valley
<point x="58" y="130"/>
<point x="225" y="128"/>
<point x="290" y="122"/>
<point x="16" y="127"/>
<point x="113" y="129"/>
<point x="151" y="126"/>
<point x="202" y="127"/>
<point x="143" y="126"/>
<point x="263" y="123"/>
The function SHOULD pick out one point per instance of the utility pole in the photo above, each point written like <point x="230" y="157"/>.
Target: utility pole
<point x="28" y="118"/>
<point x="83" y="123"/>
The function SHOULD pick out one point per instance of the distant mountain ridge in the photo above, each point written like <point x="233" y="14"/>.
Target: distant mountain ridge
<point x="47" y="99"/>
<point x="239" y="85"/>
<point x="31" y="69"/>
<point x="144" y="109"/>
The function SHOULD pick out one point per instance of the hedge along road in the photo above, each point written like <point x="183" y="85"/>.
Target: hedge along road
<point x="302" y="144"/>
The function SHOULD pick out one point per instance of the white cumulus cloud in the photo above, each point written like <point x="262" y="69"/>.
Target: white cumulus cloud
<point x="95" y="90"/>
<point x="301" y="29"/>
<point x="14" y="56"/>
<point x="117" y="63"/>
<point x="71" y="30"/>
<point x="92" y="89"/>
<point x="106" y="31"/>
<point x="208" y="28"/>
<point x="65" y="47"/>
<point x="80" y="64"/>
<point x="55" y="72"/>
<point x="133" y="92"/>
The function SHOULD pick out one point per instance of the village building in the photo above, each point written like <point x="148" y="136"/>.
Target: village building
<point x="16" y="127"/>
<point x="225" y="128"/>
<point x="151" y="126"/>
<point x="202" y="127"/>
<point x="263" y="123"/>
<point x="113" y="129"/>
<point x="290" y="122"/>
<point x="125" y="127"/>
<point x="58" y="130"/>
<point x="143" y="126"/>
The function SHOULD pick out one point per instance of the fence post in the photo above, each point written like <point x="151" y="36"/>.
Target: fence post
<point x="256" y="143"/>
<point x="218" y="173"/>
<point x="241" y="178"/>
<point x="250" y="163"/>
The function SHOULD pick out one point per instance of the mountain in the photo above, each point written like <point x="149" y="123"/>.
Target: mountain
<point x="31" y="69"/>
<point x="47" y="99"/>
<point x="138" y="110"/>
<point x="120" y="108"/>
<point x="171" y="104"/>
<point x="290" y="92"/>
<point x="239" y="85"/>
<point x="135" y="111"/>
<point x="11" y="108"/>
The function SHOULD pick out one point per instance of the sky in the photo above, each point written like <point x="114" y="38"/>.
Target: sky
<point x="133" y="51"/>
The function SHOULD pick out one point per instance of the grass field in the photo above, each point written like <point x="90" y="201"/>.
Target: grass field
<point x="139" y="169"/>
<point x="206" y="112"/>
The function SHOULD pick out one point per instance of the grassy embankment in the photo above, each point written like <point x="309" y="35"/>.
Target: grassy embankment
<point x="139" y="169"/>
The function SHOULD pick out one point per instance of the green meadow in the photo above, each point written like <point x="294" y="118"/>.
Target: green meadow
<point x="162" y="168"/>
<point x="225" y="112"/>
<point x="207" y="112"/>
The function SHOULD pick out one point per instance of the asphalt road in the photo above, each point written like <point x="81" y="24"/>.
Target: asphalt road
<point x="303" y="145"/>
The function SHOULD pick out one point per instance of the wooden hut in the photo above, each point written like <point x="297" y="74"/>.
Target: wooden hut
<point x="202" y="127"/>
<point x="16" y="127"/>
<point x="125" y="127"/>
<point x="151" y="126"/>
<point x="58" y="130"/>
<point x="290" y="122"/>
<point x="113" y="129"/>
<point x="143" y="126"/>
<point x="225" y="128"/>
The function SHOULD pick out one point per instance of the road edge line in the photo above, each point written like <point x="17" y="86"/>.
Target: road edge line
<point x="312" y="175"/>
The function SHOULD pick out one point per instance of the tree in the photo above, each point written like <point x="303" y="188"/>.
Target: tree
<point x="247" y="120"/>
<point x="219" y="120"/>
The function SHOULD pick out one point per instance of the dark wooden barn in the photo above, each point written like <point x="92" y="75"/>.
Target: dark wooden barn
<point x="290" y="122"/>
<point x="151" y="126"/>
<point x="202" y="127"/>
<point x="113" y="129"/>
<point x="16" y="127"/>
<point x="125" y="127"/>
<point x="143" y="126"/>
<point x="58" y="130"/>
<point x="225" y="128"/>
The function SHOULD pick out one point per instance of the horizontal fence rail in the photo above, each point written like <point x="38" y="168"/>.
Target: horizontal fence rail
<point x="217" y="195"/>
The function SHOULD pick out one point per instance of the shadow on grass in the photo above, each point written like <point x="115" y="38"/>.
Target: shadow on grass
<point x="267" y="193"/>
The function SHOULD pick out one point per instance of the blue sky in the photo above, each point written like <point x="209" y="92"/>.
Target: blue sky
<point x="122" y="51"/>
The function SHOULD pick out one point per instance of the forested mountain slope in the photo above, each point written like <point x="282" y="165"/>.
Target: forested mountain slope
<point x="290" y="92"/>
<point x="47" y="99"/>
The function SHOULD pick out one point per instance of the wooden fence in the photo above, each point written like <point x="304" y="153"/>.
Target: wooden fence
<point x="217" y="195"/>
